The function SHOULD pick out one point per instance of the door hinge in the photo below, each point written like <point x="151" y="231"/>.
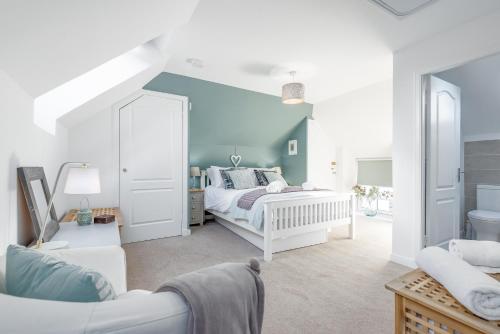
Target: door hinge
<point x="426" y="241"/>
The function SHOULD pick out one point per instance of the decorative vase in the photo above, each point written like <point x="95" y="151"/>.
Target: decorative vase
<point x="369" y="212"/>
<point x="84" y="217"/>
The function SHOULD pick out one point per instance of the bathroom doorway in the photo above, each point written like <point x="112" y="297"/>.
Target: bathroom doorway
<point x="462" y="150"/>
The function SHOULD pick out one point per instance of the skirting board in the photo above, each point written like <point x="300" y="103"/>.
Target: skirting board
<point x="403" y="260"/>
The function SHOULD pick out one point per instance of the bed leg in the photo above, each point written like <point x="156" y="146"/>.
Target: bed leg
<point x="352" y="226"/>
<point x="268" y="230"/>
<point x="268" y="255"/>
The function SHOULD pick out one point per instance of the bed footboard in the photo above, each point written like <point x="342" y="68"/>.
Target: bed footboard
<point x="288" y="218"/>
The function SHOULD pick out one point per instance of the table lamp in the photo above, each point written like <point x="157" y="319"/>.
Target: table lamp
<point x="195" y="171"/>
<point x="81" y="179"/>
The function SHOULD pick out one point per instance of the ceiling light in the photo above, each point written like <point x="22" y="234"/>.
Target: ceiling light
<point x="195" y="62"/>
<point x="293" y="92"/>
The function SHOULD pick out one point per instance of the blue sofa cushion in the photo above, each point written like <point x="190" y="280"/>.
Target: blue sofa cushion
<point x="33" y="274"/>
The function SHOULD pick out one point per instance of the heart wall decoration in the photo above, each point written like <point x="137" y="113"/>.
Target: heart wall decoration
<point x="235" y="159"/>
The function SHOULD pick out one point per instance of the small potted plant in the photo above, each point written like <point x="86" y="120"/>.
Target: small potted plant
<point x="372" y="196"/>
<point x="360" y="193"/>
<point x="387" y="196"/>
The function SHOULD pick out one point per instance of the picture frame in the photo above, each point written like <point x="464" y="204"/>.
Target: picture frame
<point x="36" y="190"/>
<point x="292" y="147"/>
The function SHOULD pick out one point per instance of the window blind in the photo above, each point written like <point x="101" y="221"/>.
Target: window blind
<point x="375" y="173"/>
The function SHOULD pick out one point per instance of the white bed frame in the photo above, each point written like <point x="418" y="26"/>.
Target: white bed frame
<point x="294" y="223"/>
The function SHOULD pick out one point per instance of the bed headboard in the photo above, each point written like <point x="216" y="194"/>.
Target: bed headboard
<point x="205" y="180"/>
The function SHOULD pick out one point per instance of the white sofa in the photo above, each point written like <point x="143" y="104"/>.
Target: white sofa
<point x="136" y="311"/>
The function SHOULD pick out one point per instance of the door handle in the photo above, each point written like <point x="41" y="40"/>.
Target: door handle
<point x="124" y="170"/>
<point x="459" y="171"/>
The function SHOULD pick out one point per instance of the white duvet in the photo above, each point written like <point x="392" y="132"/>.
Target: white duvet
<point x="226" y="201"/>
<point x="220" y="199"/>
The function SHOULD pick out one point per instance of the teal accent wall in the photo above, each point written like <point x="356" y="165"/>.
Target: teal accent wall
<point x="296" y="165"/>
<point x="224" y="116"/>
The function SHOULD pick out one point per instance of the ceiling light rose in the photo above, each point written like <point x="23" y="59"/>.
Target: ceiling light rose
<point x="293" y="92"/>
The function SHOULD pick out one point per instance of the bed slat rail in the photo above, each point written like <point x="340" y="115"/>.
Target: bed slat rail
<point x="286" y="218"/>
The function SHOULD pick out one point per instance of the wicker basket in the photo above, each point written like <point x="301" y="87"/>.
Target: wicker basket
<point x="423" y="306"/>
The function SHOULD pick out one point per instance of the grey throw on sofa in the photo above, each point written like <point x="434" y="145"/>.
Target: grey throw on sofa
<point x="226" y="298"/>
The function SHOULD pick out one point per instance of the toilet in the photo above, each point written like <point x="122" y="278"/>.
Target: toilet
<point x="486" y="219"/>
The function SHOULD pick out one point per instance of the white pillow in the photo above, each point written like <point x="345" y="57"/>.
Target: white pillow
<point x="215" y="177"/>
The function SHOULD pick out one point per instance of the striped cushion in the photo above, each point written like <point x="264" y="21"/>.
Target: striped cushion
<point x="226" y="179"/>
<point x="261" y="178"/>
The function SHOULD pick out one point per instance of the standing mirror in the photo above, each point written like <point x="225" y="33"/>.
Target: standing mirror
<point x="37" y="194"/>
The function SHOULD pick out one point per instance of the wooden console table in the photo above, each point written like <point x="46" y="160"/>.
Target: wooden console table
<point x="71" y="215"/>
<point x="93" y="235"/>
<point x="424" y="306"/>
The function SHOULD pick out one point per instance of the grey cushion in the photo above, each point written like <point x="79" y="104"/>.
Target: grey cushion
<point x="243" y="178"/>
<point x="273" y="176"/>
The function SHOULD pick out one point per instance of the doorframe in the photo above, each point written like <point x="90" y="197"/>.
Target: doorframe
<point x="115" y="121"/>
<point x="420" y="85"/>
<point x="426" y="98"/>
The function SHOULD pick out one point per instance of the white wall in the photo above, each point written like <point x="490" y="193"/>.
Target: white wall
<point x="320" y="154"/>
<point x="464" y="43"/>
<point x="359" y="125"/>
<point x="23" y="144"/>
<point x="92" y="141"/>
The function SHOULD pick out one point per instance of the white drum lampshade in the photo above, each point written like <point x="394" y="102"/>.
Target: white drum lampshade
<point x="293" y="93"/>
<point x="82" y="181"/>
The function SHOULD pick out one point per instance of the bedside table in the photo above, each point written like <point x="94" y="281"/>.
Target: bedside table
<point x="197" y="203"/>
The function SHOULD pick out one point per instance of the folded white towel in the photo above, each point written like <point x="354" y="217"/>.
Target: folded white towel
<point x="275" y="187"/>
<point x="308" y="186"/>
<point x="478" y="292"/>
<point x="483" y="254"/>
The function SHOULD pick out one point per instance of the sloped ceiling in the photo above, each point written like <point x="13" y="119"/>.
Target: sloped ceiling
<point x="46" y="43"/>
<point x="64" y="54"/>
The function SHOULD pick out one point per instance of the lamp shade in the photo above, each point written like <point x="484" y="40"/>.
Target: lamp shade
<point x="82" y="181"/>
<point x="195" y="171"/>
<point x="293" y="93"/>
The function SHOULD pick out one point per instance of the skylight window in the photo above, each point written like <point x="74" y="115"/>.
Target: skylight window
<point x="76" y="92"/>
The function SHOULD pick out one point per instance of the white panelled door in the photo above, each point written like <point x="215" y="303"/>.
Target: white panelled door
<point x="151" y="167"/>
<point x="443" y="162"/>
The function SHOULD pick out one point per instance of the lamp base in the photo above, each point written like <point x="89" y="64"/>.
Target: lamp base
<point x="51" y="245"/>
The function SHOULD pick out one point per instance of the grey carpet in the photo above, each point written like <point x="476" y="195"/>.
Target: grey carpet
<point x="337" y="287"/>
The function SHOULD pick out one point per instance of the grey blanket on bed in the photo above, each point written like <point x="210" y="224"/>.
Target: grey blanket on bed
<point x="247" y="200"/>
<point x="226" y="298"/>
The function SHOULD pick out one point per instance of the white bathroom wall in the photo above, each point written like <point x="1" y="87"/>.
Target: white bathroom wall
<point x="478" y="81"/>
<point x="469" y="41"/>
<point x="23" y="144"/>
<point x="358" y="125"/>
